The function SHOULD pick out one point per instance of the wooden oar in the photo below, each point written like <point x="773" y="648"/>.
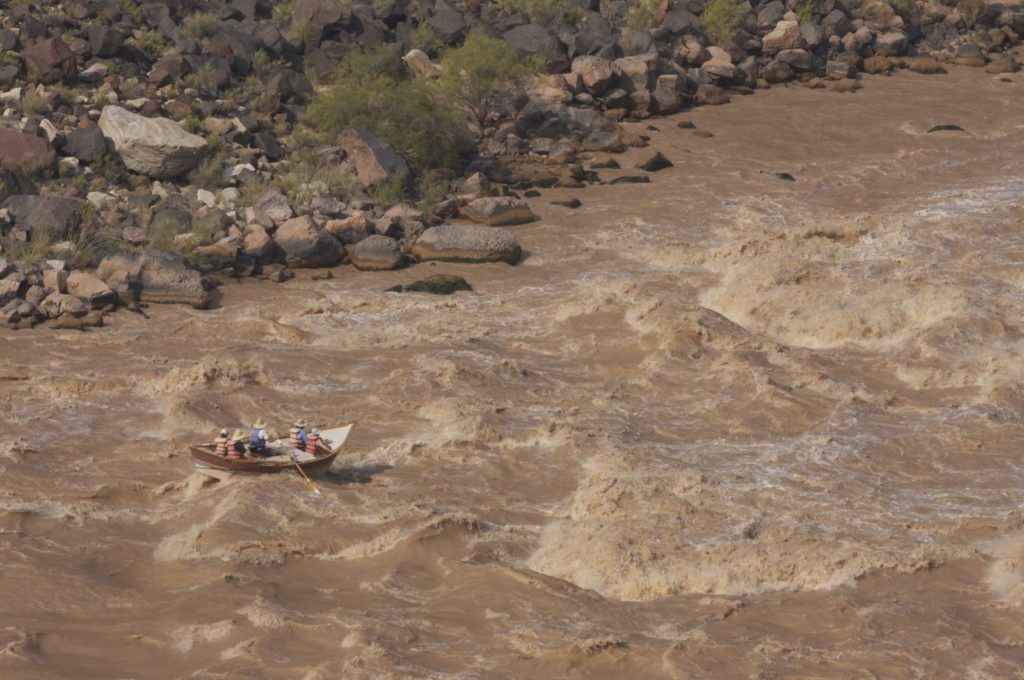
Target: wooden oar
<point x="310" y="484"/>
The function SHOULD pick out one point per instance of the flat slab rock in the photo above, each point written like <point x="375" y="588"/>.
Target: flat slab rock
<point x="498" y="211"/>
<point x="467" y="243"/>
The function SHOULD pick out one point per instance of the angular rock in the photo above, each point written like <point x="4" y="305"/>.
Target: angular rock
<point x="49" y="61"/>
<point x="9" y="289"/>
<point x="91" y="290"/>
<point x="467" y="243"/>
<point x="419" y="63"/>
<point x="596" y="73"/>
<point x="49" y="217"/>
<point x="376" y="253"/>
<point x="60" y="304"/>
<point x="350" y="230"/>
<point x="375" y="162"/>
<point x="159" y="275"/>
<point x="534" y="39"/>
<point x="157" y="147"/>
<point x="498" y="211"/>
<point x="26" y="153"/>
<point x="306" y="244"/>
<point x="785" y="36"/>
<point x="891" y="44"/>
<point x="272" y="208"/>
<point x="86" y="144"/>
<point x="105" y="41"/>
<point x="798" y="60"/>
<point x="260" y="246"/>
<point x="655" y="163"/>
<point x="776" y="72"/>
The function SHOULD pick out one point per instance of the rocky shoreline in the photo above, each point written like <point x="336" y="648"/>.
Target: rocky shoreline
<point x="148" y="149"/>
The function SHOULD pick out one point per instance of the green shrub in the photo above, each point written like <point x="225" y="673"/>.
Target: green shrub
<point x="805" y="11"/>
<point x="370" y="92"/>
<point x="642" y="14"/>
<point x="151" y="42"/>
<point x="970" y="10"/>
<point x="132" y="9"/>
<point x="721" y="20"/>
<point x="483" y="75"/>
<point x="199" y="25"/>
<point x="544" y="12"/>
<point x="33" y="103"/>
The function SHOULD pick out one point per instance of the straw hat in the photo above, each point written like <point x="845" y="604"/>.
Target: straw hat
<point x="316" y="431"/>
<point x="238" y="435"/>
<point x="300" y="423"/>
<point x="259" y="424"/>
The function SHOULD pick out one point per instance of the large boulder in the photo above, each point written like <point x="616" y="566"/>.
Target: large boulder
<point x="785" y="36"/>
<point x="535" y="39"/>
<point x="376" y="253"/>
<point x="306" y="244"/>
<point x="157" y="147"/>
<point x="25" y="153"/>
<point x="467" y="243"/>
<point x="90" y="289"/>
<point x="63" y="304"/>
<point x="890" y="44"/>
<point x="49" y="217"/>
<point x="374" y="161"/>
<point x="259" y="245"/>
<point x="596" y="73"/>
<point x="156" y="276"/>
<point x="498" y="211"/>
<point x="49" y="61"/>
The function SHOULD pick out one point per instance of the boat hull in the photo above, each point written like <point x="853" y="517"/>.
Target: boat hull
<point x="205" y="459"/>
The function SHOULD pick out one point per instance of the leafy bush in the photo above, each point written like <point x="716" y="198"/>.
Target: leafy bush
<point x="721" y="20"/>
<point x="370" y="92"/>
<point x="151" y="42"/>
<point x="483" y="75"/>
<point x="544" y="12"/>
<point x="33" y="103"/>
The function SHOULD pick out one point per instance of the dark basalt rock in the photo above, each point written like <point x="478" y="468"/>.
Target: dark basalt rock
<point x="442" y="284"/>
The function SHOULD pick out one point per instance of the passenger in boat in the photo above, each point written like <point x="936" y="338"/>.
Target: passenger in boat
<point x="236" y="445"/>
<point x="220" y="444"/>
<point x="313" y="441"/>
<point x="297" y="435"/>
<point x="258" y="439"/>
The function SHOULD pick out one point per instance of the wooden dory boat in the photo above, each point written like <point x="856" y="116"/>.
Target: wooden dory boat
<point x="206" y="459"/>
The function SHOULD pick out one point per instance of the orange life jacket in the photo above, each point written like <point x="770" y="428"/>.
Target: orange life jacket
<point x="232" y="451"/>
<point x="311" y="444"/>
<point x="293" y="437"/>
<point x="220" y="446"/>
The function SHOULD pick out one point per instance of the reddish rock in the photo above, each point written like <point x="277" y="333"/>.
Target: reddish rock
<point x="49" y="61"/>
<point x="25" y="153"/>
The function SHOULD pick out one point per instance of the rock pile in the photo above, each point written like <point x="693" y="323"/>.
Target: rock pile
<point x="155" y="141"/>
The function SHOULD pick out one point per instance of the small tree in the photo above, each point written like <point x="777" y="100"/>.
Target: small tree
<point x="721" y="20"/>
<point x="370" y="91"/>
<point x="483" y="75"/>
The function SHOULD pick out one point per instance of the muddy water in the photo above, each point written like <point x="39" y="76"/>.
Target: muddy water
<point x="718" y="426"/>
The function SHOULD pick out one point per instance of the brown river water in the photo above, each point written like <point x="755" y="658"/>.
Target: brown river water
<point x="717" y="426"/>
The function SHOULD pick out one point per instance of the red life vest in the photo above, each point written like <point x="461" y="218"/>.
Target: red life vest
<point x="220" y="446"/>
<point x="232" y="451"/>
<point x="293" y="437"/>
<point x="311" y="444"/>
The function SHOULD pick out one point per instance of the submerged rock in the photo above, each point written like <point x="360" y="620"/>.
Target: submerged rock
<point x="498" y="211"/>
<point x="467" y="243"/>
<point x="442" y="284"/>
